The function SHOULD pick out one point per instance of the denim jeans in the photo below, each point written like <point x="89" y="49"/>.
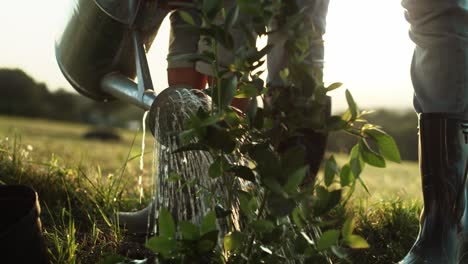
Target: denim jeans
<point x="439" y="72"/>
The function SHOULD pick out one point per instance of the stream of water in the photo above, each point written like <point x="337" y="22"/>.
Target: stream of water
<point x="180" y="181"/>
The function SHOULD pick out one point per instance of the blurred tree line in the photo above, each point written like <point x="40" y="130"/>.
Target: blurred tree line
<point x="20" y="95"/>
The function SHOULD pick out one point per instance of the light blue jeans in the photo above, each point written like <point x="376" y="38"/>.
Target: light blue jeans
<point x="439" y="72"/>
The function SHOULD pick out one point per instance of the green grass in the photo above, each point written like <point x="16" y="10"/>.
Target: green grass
<point x="65" y="141"/>
<point x="397" y="180"/>
<point x="82" y="184"/>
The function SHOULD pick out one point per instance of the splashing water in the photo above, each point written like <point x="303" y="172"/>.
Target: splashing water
<point x="181" y="182"/>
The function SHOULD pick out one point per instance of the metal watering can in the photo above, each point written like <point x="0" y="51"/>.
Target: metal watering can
<point x="103" y="46"/>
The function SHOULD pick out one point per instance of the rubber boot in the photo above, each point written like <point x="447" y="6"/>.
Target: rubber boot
<point x="139" y="223"/>
<point x="464" y="251"/>
<point x="443" y="161"/>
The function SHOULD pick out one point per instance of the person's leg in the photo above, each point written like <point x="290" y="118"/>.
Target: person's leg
<point x="315" y="22"/>
<point x="225" y="56"/>
<point x="186" y="77"/>
<point x="183" y="41"/>
<point x="439" y="72"/>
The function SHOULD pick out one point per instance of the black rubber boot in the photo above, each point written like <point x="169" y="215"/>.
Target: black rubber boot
<point x="443" y="155"/>
<point x="464" y="251"/>
<point x="139" y="223"/>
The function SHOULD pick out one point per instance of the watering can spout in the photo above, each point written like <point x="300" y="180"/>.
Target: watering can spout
<point x="125" y="89"/>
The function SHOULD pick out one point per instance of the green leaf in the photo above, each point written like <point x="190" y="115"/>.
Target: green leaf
<point x="167" y="227"/>
<point x="279" y="205"/>
<point x="189" y="231"/>
<point x="211" y="7"/>
<point x="209" y="223"/>
<point x="249" y="6"/>
<point x="387" y="145"/>
<point x="333" y="86"/>
<point x="163" y="245"/>
<point x="352" y="105"/>
<point x="253" y="204"/>
<point x="356" y="162"/>
<point x="244" y="205"/>
<point x="186" y="17"/>
<point x="263" y="226"/>
<point x="348" y="228"/>
<point x="325" y="200"/>
<point x="292" y="160"/>
<point x="217" y="168"/>
<point x="243" y="172"/>
<point x="273" y="185"/>
<point x="336" y="123"/>
<point x="284" y="74"/>
<point x="208" y="241"/>
<point x="246" y="91"/>
<point x="233" y="241"/>
<point x="186" y="137"/>
<point x="223" y="37"/>
<point x="331" y="169"/>
<point x="297" y="217"/>
<point x="346" y="176"/>
<point x="356" y="242"/>
<point x="231" y="17"/>
<point x="328" y="239"/>
<point x="363" y="184"/>
<point x="223" y="95"/>
<point x="268" y="164"/>
<point x="347" y="116"/>
<point x="371" y="157"/>
<point x="295" y="179"/>
<point x="219" y="138"/>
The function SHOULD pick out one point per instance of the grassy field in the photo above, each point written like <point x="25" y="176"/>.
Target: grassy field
<point x="66" y="142"/>
<point x="85" y="182"/>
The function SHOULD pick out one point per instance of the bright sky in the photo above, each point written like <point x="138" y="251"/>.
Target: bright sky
<point x="367" y="48"/>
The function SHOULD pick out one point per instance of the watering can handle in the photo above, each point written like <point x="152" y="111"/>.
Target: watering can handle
<point x="144" y="77"/>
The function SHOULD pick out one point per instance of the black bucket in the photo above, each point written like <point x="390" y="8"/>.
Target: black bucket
<point x="21" y="238"/>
